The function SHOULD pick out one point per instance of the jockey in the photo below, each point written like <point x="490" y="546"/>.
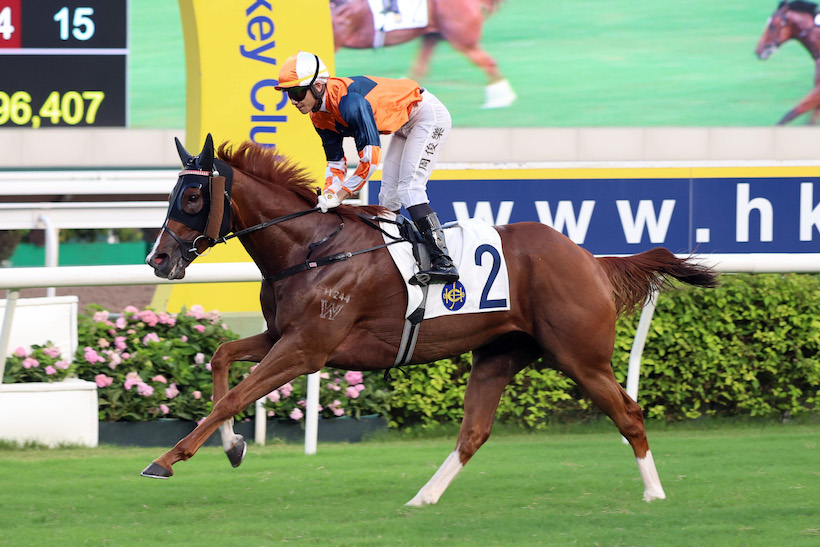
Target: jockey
<point x="363" y="107"/>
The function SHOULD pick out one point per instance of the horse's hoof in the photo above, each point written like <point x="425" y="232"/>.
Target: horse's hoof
<point x="156" y="471"/>
<point x="236" y="453"/>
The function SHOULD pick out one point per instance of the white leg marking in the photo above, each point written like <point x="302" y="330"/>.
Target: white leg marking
<point x="652" y="483"/>
<point x="227" y="434"/>
<point x="435" y="487"/>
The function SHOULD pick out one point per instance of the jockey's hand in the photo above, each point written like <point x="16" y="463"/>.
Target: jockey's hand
<point x="328" y="200"/>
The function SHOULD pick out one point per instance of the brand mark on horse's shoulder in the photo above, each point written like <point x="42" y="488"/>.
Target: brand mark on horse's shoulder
<point x="330" y="310"/>
<point x="337" y="295"/>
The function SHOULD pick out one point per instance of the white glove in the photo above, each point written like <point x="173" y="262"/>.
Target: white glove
<point x="328" y="200"/>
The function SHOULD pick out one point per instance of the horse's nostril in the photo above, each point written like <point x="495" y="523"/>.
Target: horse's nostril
<point x="159" y="259"/>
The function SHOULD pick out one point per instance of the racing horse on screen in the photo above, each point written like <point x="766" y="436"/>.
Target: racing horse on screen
<point x="563" y="303"/>
<point x="797" y="20"/>
<point x="459" y="22"/>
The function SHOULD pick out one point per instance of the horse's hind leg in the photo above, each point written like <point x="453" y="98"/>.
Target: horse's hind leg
<point x="421" y="67"/>
<point x="605" y="391"/>
<point x="252" y="349"/>
<point x="491" y="373"/>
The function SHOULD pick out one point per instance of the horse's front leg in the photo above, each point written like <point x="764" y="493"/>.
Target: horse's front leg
<point x="289" y="358"/>
<point x="809" y="102"/>
<point x="251" y="349"/>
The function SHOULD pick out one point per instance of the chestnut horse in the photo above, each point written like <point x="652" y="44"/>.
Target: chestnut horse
<point x="457" y="21"/>
<point x="563" y="303"/>
<point x="795" y="20"/>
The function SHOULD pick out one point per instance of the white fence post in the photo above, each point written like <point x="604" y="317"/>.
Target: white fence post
<point x="312" y="414"/>
<point x="5" y="332"/>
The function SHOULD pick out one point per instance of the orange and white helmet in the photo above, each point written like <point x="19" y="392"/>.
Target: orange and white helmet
<point x="301" y="69"/>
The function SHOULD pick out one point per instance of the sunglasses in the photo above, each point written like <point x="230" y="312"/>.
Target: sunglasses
<point x="298" y="93"/>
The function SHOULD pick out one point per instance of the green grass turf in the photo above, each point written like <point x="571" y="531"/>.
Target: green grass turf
<point x="584" y="63"/>
<point x="726" y="485"/>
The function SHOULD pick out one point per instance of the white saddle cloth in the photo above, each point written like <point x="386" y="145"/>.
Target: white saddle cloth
<point x="483" y="284"/>
<point x="413" y="15"/>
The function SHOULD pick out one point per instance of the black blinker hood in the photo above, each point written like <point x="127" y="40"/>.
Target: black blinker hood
<point x="196" y="173"/>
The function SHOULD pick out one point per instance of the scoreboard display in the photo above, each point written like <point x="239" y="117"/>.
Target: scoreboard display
<point x="63" y="63"/>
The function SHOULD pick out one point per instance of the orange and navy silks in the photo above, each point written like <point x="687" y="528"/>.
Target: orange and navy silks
<point x="361" y="107"/>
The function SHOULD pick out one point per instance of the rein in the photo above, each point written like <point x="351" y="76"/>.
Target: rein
<point x="308" y="264"/>
<point x="369" y="220"/>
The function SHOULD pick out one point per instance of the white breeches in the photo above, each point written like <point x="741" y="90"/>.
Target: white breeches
<point x="412" y="154"/>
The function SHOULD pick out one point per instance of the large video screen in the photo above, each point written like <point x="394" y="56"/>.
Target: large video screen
<point x="585" y="63"/>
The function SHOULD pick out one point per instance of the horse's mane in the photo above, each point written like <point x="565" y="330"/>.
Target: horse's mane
<point x="802" y="6"/>
<point x="266" y="164"/>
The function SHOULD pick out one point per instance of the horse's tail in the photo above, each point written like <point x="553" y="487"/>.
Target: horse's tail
<point x="636" y="277"/>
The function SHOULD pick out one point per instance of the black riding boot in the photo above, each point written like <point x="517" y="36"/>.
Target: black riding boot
<point x="442" y="269"/>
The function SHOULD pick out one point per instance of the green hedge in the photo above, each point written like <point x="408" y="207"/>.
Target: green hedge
<point x="750" y="347"/>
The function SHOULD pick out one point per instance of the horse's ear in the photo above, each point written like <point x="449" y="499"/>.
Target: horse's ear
<point x="206" y="157"/>
<point x="183" y="154"/>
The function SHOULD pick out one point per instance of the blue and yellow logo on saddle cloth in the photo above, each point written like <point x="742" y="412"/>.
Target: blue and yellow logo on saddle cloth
<point x="483" y="284"/>
<point x="453" y="295"/>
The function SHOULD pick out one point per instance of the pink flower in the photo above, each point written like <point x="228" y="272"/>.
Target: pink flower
<point x="62" y="365"/>
<point x="196" y="311"/>
<point x="144" y="389"/>
<point x="20" y="352"/>
<point x="91" y="356"/>
<point x="286" y="390"/>
<point x="297" y="414"/>
<point x="103" y="343"/>
<point x="334" y="387"/>
<point x="102" y="380"/>
<point x="159" y="378"/>
<point x="171" y="391"/>
<point x="131" y="309"/>
<point x="183" y="338"/>
<point x="199" y="421"/>
<point x="52" y="351"/>
<point x="164" y="409"/>
<point x="100" y="316"/>
<point x="199" y="358"/>
<point x="199" y="328"/>
<point x="50" y="370"/>
<point x="274" y="396"/>
<point x="208" y="365"/>
<point x="150" y="337"/>
<point x="353" y="377"/>
<point x="352" y="392"/>
<point x="119" y="343"/>
<point x="149" y="317"/>
<point x="132" y="379"/>
<point x="120" y="322"/>
<point x="336" y="407"/>
<point x="114" y="359"/>
<point x="167" y="319"/>
<point x="197" y="394"/>
<point x="359" y="387"/>
<point x="30" y="362"/>
<point x="126" y="355"/>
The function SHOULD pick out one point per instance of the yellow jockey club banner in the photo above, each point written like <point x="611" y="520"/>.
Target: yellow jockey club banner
<point x="233" y="51"/>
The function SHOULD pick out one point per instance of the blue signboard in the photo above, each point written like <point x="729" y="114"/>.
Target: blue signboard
<point x="625" y="216"/>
